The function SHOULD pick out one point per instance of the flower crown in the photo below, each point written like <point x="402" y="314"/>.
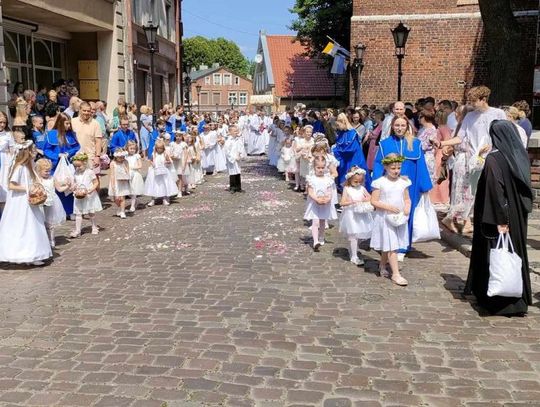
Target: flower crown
<point x="24" y="145"/>
<point x="120" y="154"/>
<point x="355" y="171"/>
<point x="80" y="157"/>
<point x="393" y="160"/>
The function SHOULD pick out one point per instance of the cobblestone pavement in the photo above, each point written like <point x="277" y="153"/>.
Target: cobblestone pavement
<point x="219" y="300"/>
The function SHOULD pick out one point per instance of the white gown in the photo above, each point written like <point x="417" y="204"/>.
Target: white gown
<point x="208" y="156"/>
<point x="322" y="187"/>
<point x="384" y="236"/>
<point x="256" y="141"/>
<point x="285" y="159"/>
<point x="353" y="224"/>
<point x="235" y="151"/>
<point x="6" y="145"/>
<point x="54" y="211"/>
<point x="22" y="226"/>
<point x="137" y="181"/>
<point x="221" y="158"/>
<point x="118" y="188"/>
<point x="91" y="202"/>
<point x="178" y="156"/>
<point x="159" y="182"/>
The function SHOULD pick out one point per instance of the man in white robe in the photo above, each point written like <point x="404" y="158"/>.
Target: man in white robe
<point x="256" y="143"/>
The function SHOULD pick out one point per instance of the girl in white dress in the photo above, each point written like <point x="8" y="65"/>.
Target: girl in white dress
<point x="22" y="226"/>
<point x="356" y="219"/>
<point x="119" y="181"/>
<point x="159" y="183"/>
<point x="54" y="211"/>
<point x="195" y="151"/>
<point x="178" y="155"/>
<point x="322" y="148"/>
<point x="85" y="194"/>
<point x="305" y="155"/>
<point x="285" y="159"/>
<point x="319" y="206"/>
<point x="7" y="145"/>
<point x="390" y="197"/>
<point x="136" y="179"/>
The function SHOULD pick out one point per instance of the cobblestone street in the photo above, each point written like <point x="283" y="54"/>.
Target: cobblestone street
<point x="219" y="300"/>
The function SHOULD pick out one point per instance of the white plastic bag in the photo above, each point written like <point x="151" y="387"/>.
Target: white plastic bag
<point x="425" y="223"/>
<point x="505" y="277"/>
<point x="64" y="173"/>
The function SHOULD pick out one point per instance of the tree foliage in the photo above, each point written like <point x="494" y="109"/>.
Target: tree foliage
<point x="504" y="38"/>
<point x="318" y="19"/>
<point x="205" y="51"/>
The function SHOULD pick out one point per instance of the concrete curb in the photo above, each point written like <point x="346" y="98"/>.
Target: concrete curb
<point x="464" y="245"/>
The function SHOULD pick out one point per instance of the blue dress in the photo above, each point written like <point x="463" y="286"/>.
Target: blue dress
<point x="120" y="139"/>
<point x="52" y="149"/>
<point x="414" y="167"/>
<point x="348" y="151"/>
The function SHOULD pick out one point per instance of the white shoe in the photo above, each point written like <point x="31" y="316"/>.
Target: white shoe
<point x="166" y="202"/>
<point x="321" y="242"/>
<point x="132" y="209"/>
<point x="401" y="257"/>
<point x="38" y="263"/>
<point x="151" y="203"/>
<point x="122" y="215"/>
<point x="357" y="261"/>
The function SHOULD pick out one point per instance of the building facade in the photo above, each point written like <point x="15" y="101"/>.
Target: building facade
<point x="445" y="52"/>
<point x="290" y="77"/>
<point x="220" y="89"/>
<point x="100" y="44"/>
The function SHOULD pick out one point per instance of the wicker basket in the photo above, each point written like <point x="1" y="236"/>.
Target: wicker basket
<point x="37" y="195"/>
<point x="80" y="192"/>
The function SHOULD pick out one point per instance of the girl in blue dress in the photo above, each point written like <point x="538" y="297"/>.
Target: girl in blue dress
<point x="403" y="143"/>
<point x="61" y="140"/>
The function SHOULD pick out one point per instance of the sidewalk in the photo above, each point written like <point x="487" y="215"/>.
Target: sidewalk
<point x="464" y="243"/>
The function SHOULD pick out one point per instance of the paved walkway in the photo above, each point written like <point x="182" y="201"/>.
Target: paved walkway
<point x="219" y="300"/>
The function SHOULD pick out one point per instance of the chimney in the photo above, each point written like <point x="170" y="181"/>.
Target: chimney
<point x="203" y="67"/>
<point x="215" y="65"/>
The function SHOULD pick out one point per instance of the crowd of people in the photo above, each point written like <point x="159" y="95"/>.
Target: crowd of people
<point x="374" y="169"/>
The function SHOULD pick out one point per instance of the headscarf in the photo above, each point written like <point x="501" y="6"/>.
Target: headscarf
<point x="505" y="138"/>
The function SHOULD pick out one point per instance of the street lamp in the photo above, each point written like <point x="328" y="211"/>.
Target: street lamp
<point x="356" y="70"/>
<point x="400" y="34"/>
<point x="292" y="93"/>
<point x="187" y="81"/>
<point x="198" y="89"/>
<point x="150" y="31"/>
<point x="217" y="108"/>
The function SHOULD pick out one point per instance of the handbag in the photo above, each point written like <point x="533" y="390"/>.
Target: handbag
<point x="64" y="173"/>
<point x="505" y="278"/>
<point x="121" y="174"/>
<point x="397" y="219"/>
<point x="425" y="223"/>
<point x="363" y="207"/>
<point x="161" y="170"/>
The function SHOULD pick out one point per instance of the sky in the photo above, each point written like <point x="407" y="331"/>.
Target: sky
<point x="237" y="20"/>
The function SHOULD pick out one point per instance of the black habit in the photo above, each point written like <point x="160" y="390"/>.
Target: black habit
<point x="503" y="197"/>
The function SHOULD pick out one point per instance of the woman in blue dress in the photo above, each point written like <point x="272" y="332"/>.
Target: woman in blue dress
<point x="61" y="140"/>
<point x="348" y="151"/>
<point x="402" y="142"/>
<point x="146" y="128"/>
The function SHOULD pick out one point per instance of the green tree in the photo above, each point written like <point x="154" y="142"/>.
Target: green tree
<point x="204" y="51"/>
<point x="319" y="18"/>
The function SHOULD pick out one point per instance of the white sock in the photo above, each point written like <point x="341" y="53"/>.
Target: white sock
<point x="354" y="248"/>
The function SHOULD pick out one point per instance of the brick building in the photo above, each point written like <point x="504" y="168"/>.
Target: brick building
<point x="221" y="89"/>
<point x="445" y="52"/>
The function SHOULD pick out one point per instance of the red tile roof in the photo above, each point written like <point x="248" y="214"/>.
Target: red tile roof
<point x="310" y="80"/>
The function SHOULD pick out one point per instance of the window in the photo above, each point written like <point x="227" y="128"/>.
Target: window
<point x="207" y="80"/>
<point x="236" y="80"/>
<point x="233" y="98"/>
<point x="216" y="98"/>
<point x="204" y="99"/>
<point x="168" y="19"/>
<point x="243" y="98"/>
<point x="227" y="79"/>
<point x="217" y="79"/>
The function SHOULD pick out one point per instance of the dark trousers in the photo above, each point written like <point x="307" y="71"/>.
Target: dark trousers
<point x="235" y="183"/>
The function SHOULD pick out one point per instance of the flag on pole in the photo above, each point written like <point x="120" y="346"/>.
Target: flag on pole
<point x="338" y="67"/>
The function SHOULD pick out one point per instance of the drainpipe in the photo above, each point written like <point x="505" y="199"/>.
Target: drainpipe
<point x="129" y="41"/>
